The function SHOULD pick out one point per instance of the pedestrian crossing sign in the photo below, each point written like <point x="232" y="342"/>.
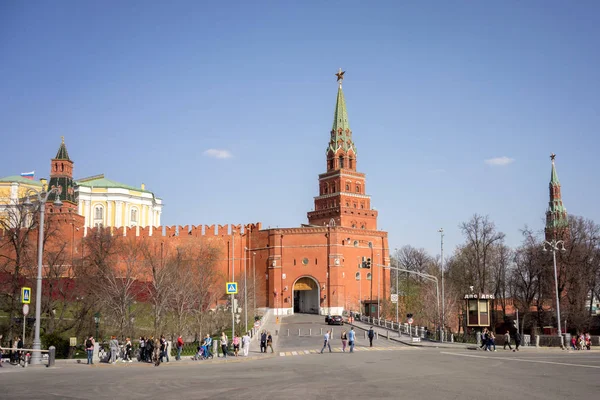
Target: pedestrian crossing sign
<point x="25" y="295"/>
<point x="231" y="287"/>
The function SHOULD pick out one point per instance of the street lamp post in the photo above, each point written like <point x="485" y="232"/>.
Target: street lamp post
<point x="42" y="196"/>
<point x="397" y="297"/>
<point x="97" y="321"/>
<point x="556" y="245"/>
<point x="441" y="231"/>
<point x="254" y="284"/>
<point x="246" y="288"/>
<point x="428" y="277"/>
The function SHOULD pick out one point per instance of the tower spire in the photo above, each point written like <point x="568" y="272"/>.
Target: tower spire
<point x="557" y="222"/>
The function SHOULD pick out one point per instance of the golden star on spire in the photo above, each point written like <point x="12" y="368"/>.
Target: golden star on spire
<point x="340" y="76"/>
<point x="552" y="156"/>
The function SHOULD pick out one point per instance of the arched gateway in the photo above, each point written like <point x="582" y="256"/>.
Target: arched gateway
<point x="306" y="296"/>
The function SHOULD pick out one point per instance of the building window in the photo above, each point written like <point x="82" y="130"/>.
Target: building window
<point x="347" y="187"/>
<point x="333" y="187"/>
<point x="305" y="261"/>
<point x="351" y="163"/>
<point x="354" y="226"/>
<point x="362" y="226"/>
<point x="341" y="161"/>
<point x="362" y="205"/>
<point x="357" y="188"/>
<point x="369" y="276"/>
<point x="356" y="243"/>
<point x="357" y="275"/>
<point x="316" y="261"/>
<point x="347" y="204"/>
<point x="294" y="262"/>
<point x="134" y="215"/>
<point x="354" y="205"/>
<point x="98" y="215"/>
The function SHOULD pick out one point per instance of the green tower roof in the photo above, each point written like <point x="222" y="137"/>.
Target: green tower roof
<point x="341" y="135"/>
<point x="340" y="116"/>
<point x="62" y="153"/>
<point x="554" y="175"/>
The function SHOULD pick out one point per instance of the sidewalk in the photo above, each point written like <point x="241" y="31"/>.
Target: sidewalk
<point x="382" y="334"/>
<point x="269" y="325"/>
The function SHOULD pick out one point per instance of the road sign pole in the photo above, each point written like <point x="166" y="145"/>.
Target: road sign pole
<point x="25" y="312"/>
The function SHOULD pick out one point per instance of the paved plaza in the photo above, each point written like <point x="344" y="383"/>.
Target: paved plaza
<point x="386" y="371"/>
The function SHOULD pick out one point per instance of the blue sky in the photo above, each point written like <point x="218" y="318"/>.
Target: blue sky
<point x="141" y="90"/>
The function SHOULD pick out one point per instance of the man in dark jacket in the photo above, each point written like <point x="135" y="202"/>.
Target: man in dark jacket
<point x="517" y="336"/>
<point x="371" y="335"/>
<point x="263" y="342"/>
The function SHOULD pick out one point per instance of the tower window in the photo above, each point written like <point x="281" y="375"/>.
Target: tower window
<point x="351" y="163"/>
<point x="357" y="276"/>
<point x="333" y="187"/>
<point x="369" y="276"/>
<point x="357" y="188"/>
<point x="347" y="187"/>
<point x="341" y="161"/>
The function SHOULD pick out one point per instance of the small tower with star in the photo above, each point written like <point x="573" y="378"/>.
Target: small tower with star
<point x="557" y="221"/>
<point x="61" y="177"/>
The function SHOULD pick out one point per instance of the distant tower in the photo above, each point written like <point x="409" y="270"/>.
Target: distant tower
<point x="342" y="195"/>
<point x="557" y="221"/>
<point x="61" y="177"/>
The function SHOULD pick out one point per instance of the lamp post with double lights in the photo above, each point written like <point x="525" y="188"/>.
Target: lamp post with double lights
<point x="42" y="196"/>
<point x="426" y="276"/>
<point x="556" y="245"/>
<point x="441" y="231"/>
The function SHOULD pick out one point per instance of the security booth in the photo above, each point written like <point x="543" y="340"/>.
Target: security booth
<point x="478" y="309"/>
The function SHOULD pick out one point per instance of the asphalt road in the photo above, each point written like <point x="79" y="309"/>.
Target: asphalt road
<point x="412" y="373"/>
<point x="387" y="371"/>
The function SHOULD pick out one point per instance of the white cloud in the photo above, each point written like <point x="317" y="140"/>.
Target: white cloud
<point x="499" y="161"/>
<point x="216" y="153"/>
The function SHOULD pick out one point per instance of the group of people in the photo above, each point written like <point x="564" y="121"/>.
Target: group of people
<point x="204" y="349"/>
<point x="14" y="355"/>
<point x="347" y="338"/>
<point x="581" y="342"/>
<point x="266" y="340"/>
<point x="155" y="349"/>
<point x="488" y="340"/>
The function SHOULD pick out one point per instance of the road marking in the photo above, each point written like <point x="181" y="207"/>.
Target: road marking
<point x="282" y="354"/>
<point x="306" y="351"/>
<point x="294" y="353"/>
<point x="523" y="360"/>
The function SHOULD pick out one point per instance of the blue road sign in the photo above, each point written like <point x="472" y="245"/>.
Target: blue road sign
<point x="231" y="287"/>
<point x="26" y="295"/>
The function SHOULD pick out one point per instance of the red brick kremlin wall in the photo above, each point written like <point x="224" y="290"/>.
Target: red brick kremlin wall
<point x="276" y="257"/>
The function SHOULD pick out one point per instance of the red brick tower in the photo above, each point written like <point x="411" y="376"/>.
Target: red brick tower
<point x="342" y="195"/>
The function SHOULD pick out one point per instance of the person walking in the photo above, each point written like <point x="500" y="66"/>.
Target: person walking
<point x="351" y="339"/>
<point x="236" y="345"/>
<point x="157" y="352"/>
<point x="179" y="348"/>
<point x="128" y="347"/>
<point x="491" y="341"/>
<point x="517" y="340"/>
<point x="507" y="341"/>
<point x="149" y="348"/>
<point x="114" y="348"/>
<point x="142" y="349"/>
<point x="269" y="342"/>
<point x="326" y="341"/>
<point x="224" y="343"/>
<point x="263" y="342"/>
<point x="371" y="335"/>
<point x="344" y="338"/>
<point x="89" y="348"/>
<point x="246" y="344"/>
